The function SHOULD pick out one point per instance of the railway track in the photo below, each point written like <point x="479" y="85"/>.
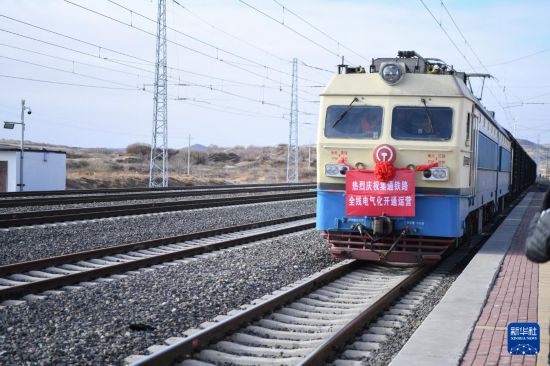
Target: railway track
<point x="136" y="189"/>
<point x="303" y="324"/>
<point x="50" y="216"/>
<point x="346" y="316"/>
<point x="68" y="197"/>
<point x="27" y="278"/>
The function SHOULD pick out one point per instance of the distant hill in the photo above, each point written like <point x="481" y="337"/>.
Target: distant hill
<point x="199" y="147"/>
<point x="526" y="144"/>
<point x="539" y="153"/>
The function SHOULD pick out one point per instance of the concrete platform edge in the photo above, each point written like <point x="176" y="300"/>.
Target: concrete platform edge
<point x="443" y="337"/>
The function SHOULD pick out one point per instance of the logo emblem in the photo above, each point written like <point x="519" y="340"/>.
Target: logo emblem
<point x="384" y="152"/>
<point x="523" y="338"/>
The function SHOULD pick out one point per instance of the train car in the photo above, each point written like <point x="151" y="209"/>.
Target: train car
<point x="409" y="161"/>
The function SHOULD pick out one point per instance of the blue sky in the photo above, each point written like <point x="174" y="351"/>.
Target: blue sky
<point x="245" y="98"/>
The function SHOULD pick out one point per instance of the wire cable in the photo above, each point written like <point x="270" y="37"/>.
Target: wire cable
<point x="217" y="49"/>
<point x="100" y="48"/>
<point x="71" y="72"/>
<point x="520" y="58"/>
<point x="340" y="44"/>
<point x="69" y="84"/>
<point x="227" y="33"/>
<point x="121" y="63"/>
<point x="74" y="62"/>
<point x="503" y="88"/>
<point x="291" y="29"/>
<point x="463" y="55"/>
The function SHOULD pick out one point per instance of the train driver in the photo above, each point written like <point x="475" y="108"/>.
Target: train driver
<point x="370" y="127"/>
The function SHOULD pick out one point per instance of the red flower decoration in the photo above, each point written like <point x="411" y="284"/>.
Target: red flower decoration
<point x="384" y="171"/>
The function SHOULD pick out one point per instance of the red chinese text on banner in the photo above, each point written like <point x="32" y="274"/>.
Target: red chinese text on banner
<point x="366" y="196"/>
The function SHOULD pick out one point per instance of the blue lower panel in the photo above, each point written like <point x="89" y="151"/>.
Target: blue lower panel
<point x="435" y="215"/>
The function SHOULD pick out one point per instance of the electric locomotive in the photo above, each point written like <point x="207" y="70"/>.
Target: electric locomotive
<point x="409" y="160"/>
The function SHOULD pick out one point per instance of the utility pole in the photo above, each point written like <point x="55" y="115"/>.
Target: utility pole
<point x="21" y="184"/>
<point x="158" y="169"/>
<point x="189" y="156"/>
<point x="9" y="125"/>
<point x="547" y="172"/>
<point x="293" y="158"/>
<point x="539" y="167"/>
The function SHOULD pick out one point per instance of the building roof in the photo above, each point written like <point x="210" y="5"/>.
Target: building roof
<point x="4" y="147"/>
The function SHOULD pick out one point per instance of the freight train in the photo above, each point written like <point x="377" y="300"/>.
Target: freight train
<point x="409" y="161"/>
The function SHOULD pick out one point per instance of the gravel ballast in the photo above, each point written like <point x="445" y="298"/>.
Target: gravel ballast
<point x="105" y="323"/>
<point x="30" y="243"/>
<point x="18" y="209"/>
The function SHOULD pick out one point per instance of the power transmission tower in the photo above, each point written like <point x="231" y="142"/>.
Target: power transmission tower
<point x="293" y="158"/>
<point x="158" y="170"/>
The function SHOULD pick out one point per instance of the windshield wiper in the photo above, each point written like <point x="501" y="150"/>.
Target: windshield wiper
<point x="343" y="114"/>
<point x="427" y="113"/>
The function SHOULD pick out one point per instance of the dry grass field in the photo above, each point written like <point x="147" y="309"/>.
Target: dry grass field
<point x="129" y="167"/>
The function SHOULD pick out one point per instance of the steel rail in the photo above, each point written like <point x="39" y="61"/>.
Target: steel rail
<point x="71" y="279"/>
<point x="139" y="189"/>
<point x="148" y="244"/>
<point x="195" y="342"/>
<point x="328" y="348"/>
<point x="49" y="216"/>
<point x="62" y="200"/>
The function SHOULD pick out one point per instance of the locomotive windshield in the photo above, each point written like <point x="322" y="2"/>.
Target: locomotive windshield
<point x="353" y="122"/>
<point x="422" y="123"/>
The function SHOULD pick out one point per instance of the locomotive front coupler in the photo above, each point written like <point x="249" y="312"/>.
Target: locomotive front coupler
<point x="392" y="247"/>
<point x="363" y="231"/>
<point x="381" y="225"/>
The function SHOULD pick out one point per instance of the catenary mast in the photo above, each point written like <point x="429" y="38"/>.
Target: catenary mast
<point x="293" y="158"/>
<point x="158" y="170"/>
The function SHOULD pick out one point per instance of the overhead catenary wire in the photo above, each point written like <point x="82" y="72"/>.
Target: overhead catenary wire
<point x="223" y="108"/>
<point x="72" y="49"/>
<point x="107" y="59"/>
<point x="227" y="33"/>
<point x="103" y="48"/>
<point x="74" y="39"/>
<point x="520" y="58"/>
<point x="68" y="84"/>
<point x="71" y="72"/>
<point x="291" y="29"/>
<point x="128" y="86"/>
<point x="507" y="113"/>
<point x="471" y="49"/>
<point x="508" y="117"/>
<point x="340" y="44"/>
<point x="204" y="54"/>
<point x="212" y="88"/>
<point x="227" y="109"/>
<point x="102" y="55"/>
<point x="74" y="62"/>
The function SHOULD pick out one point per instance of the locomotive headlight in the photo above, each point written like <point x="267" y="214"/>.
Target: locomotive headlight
<point x="335" y="170"/>
<point x="440" y="174"/>
<point x="392" y="73"/>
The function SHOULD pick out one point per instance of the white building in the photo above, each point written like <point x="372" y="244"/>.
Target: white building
<point x="43" y="170"/>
